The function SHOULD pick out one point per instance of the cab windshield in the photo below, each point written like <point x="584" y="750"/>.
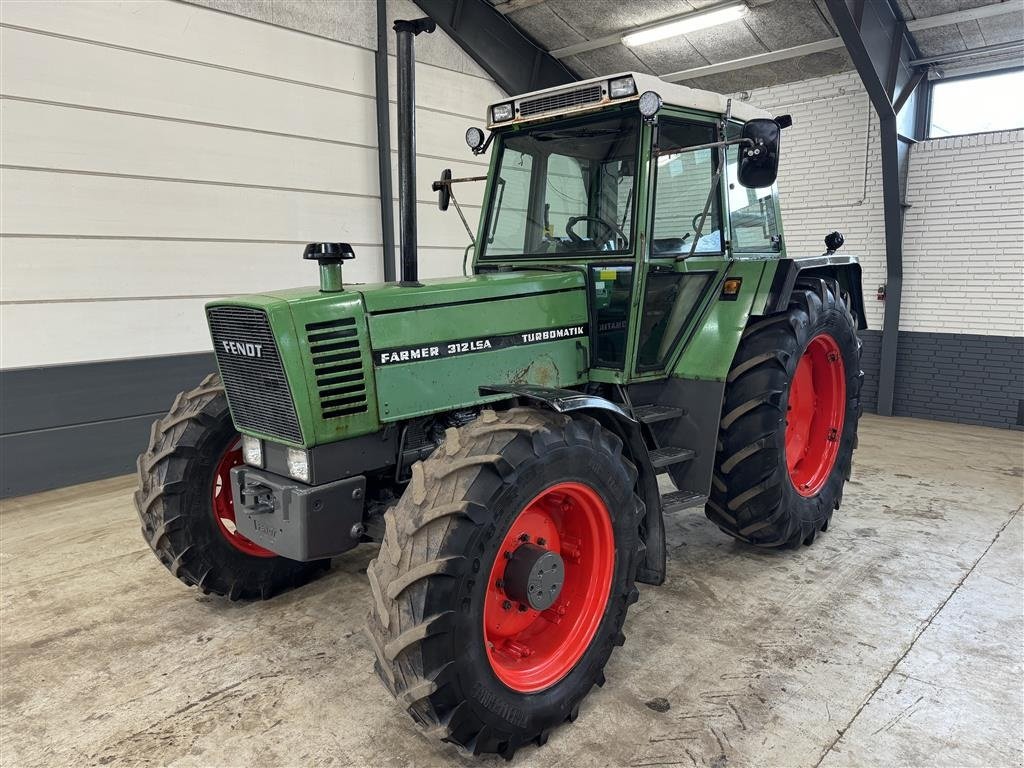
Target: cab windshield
<point x="565" y="188"/>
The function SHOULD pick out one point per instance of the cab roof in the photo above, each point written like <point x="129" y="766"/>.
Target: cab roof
<point x="593" y="94"/>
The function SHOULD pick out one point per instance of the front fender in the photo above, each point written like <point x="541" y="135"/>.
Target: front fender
<point x="613" y="418"/>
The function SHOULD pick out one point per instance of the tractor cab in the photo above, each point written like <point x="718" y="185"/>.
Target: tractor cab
<point x="637" y="184"/>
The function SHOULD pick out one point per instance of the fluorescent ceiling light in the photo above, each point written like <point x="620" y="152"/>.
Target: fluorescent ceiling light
<point x="688" y="23"/>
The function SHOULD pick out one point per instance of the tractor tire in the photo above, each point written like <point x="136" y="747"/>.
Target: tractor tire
<point x="789" y="421"/>
<point x="184" y="502"/>
<point x="514" y="482"/>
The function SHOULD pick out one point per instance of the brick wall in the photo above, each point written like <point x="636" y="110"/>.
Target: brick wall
<point x="963" y="236"/>
<point x="961" y="344"/>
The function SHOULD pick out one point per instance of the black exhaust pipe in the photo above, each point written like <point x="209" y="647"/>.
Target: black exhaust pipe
<point x="405" y="31"/>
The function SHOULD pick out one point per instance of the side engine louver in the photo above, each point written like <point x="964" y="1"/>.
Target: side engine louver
<point x="338" y="367"/>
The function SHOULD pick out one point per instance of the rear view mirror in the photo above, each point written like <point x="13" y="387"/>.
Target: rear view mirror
<point x="758" y="156"/>
<point x="443" y="188"/>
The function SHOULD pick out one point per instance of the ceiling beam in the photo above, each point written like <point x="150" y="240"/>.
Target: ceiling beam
<point x="819" y="46"/>
<point x="942" y="73"/>
<point x="971" y="14"/>
<point x="970" y="53"/>
<point x="516" y="5"/>
<point x="513" y="60"/>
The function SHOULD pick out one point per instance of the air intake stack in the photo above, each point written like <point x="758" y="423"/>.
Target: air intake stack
<point x="405" y="31"/>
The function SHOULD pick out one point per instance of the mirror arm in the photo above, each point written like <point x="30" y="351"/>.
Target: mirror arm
<point x="436" y="186"/>
<point x="483" y="147"/>
<point x="713" y="145"/>
<point x="458" y="210"/>
<point x="440" y="184"/>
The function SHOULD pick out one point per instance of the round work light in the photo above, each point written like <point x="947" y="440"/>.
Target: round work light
<point x="474" y="138"/>
<point x="649" y="103"/>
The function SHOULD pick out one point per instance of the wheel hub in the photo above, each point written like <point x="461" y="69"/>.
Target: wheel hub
<point x="534" y="576"/>
<point x="549" y="587"/>
<point x="815" y="415"/>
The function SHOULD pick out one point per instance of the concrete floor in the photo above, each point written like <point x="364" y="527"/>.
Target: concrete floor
<point x="895" y="640"/>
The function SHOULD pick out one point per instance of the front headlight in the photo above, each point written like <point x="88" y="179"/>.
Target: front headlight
<point x="621" y="87"/>
<point x="298" y="464"/>
<point x="252" y="451"/>
<point x="500" y="113"/>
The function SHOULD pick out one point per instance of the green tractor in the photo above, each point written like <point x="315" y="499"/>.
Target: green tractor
<point x="630" y="311"/>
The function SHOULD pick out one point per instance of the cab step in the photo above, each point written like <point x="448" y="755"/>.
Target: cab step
<point x="651" y="414"/>
<point x="679" y="500"/>
<point x="669" y="455"/>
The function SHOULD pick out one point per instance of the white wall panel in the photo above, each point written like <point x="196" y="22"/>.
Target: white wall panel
<point x="56" y="69"/>
<point x="188" y="32"/>
<point x="48" y="203"/>
<point x="103" y="330"/>
<point x="35" y="269"/>
<point x="157" y="153"/>
<point x="56" y="137"/>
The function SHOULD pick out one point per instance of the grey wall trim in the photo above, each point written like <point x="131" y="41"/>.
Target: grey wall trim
<point x="965" y="378"/>
<point x="67" y="424"/>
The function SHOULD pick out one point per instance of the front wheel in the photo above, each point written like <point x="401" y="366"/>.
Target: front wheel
<point x="186" y="509"/>
<point x="789" y="422"/>
<point x="504" y="578"/>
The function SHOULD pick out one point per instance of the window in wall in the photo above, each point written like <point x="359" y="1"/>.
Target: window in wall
<point x="977" y="104"/>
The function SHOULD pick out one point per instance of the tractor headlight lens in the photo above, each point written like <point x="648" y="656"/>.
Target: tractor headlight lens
<point x="500" y="113"/>
<point x="252" y="451"/>
<point x="621" y="87"/>
<point x="298" y="464"/>
<point x="649" y="103"/>
<point x="474" y="138"/>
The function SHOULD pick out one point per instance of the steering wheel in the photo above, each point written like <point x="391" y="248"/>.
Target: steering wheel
<point x="611" y="229"/>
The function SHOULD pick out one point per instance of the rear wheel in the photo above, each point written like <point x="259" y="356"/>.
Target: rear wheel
<point x="504" y="578"/>
<point x="184" y="502"/>
<point x="789" y="422"/>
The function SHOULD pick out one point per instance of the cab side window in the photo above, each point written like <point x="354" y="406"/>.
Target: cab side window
<point x="681" y="187"/>
<point x="753" y="213"/>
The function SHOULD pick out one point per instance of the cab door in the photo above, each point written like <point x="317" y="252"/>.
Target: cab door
<point x="680" y="278"/>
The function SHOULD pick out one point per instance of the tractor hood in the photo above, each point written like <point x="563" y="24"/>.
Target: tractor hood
<point x="350" y="360"/>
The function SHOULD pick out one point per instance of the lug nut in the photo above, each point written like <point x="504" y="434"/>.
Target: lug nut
<point x="541" y="542"/>
<point x="500" y="584"/>
<point x="524" y="537"/>
<point x="506" y="604"/>
<point x="522" y="608"/>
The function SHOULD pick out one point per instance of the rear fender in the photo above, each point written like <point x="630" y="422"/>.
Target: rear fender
<point x="844" y="271"/>
<point x="614" y="419"/>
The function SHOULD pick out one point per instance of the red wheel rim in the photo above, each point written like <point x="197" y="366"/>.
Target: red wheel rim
<point x="224" y="505"/>
<point x="814" y="418"/>
<point x="530" y="650"/>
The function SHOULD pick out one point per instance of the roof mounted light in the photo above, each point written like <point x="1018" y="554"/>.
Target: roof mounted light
<point x="649" y="103"/>
<point x="688" y="23"/>
<point x="502" y="113"/>
<point x="621" y="87"/>
<point x="474" y="138"/>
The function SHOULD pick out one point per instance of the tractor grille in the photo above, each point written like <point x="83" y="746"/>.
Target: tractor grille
<point x="253" y="375"/>
<point x="338" y="367"/>
<point x="557" y="102"/>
